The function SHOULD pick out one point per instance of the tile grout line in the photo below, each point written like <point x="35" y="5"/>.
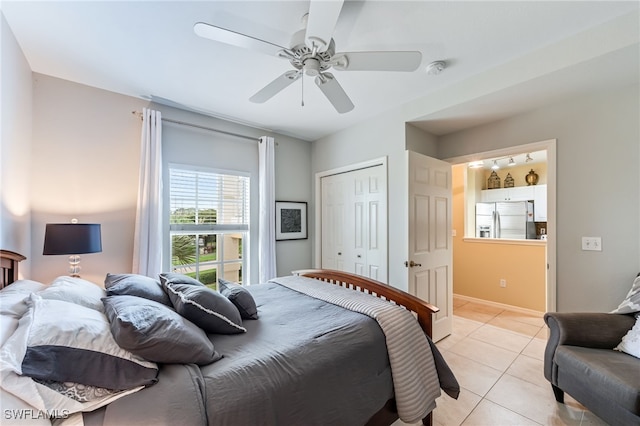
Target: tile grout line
<point x="502" y="375"/>
<point x="519" y="353"/>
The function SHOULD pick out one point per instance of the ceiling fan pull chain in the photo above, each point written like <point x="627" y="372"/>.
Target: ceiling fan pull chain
<point x="302" y="93"/>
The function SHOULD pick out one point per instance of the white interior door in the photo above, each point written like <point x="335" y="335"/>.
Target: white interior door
<point x="430" y="263"/>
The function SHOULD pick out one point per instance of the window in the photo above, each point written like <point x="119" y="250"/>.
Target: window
<point x="209" y="224"/>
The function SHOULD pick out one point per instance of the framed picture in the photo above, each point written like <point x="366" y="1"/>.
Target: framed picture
<point x="291" y="220"/>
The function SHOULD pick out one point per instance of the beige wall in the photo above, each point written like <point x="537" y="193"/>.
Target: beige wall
<point x="597" y="179"/>
<point x="15" y="148"/>
<point x="72" y="151"/>
<point x="84" y="165"/>
<point x="478" y="267"/>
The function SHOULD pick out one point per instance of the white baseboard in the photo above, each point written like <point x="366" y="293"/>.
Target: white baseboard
<point x="498" y="305"/>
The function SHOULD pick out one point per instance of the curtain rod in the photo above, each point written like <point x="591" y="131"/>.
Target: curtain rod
<point x="197" y="126"/>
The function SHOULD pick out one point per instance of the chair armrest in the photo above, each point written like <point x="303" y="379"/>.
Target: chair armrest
<point x="589" y="329"/>
<point x="586" y="329"/>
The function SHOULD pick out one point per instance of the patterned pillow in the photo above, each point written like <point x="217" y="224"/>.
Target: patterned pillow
<point x="631" y="303"/>
<point x="631" y="341"/>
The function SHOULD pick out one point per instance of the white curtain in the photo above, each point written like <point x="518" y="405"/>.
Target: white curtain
<point x="267" y="223"/>
<point x="147" y="243"/>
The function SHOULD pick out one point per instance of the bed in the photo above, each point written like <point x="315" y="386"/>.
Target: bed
<point x="318" y="353"/>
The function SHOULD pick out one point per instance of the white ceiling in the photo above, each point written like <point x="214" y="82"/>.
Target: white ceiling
<point x="148" y="49"/>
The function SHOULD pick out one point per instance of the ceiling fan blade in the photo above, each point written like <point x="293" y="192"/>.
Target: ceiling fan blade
<point x="377" y="61"/>
<point x="233" y="38"/>
<point x="334" y="92"/>
<point x="277" y="85"/>
<point x="321" y="22"/>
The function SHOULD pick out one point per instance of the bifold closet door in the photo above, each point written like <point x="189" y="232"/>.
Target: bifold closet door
<point x="354" y="222"/>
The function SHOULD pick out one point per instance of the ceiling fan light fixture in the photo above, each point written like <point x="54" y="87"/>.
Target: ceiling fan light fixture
<point x="311" y="67"/>
<point x="435" y="68"/>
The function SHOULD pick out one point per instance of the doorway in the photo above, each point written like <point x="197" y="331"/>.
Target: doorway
<point x="489" y="256"/>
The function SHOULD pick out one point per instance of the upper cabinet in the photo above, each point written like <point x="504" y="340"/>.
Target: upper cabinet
<point x="537" y="193"/>
<point x="517" y="193"/>
<point x="540" y="203"/>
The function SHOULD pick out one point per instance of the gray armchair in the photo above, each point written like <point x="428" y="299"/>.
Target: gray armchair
<point x="579" y="359"/>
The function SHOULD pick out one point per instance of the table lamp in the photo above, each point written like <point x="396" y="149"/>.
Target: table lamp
<point x="72" y="239"/>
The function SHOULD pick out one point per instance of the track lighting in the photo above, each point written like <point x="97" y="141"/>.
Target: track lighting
<point x="511" y="162"/>
<point x="495" y="165"/>
<point x="528" y="158"/>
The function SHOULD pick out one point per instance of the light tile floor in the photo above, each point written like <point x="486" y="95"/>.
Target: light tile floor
<point x="497" y="357"/>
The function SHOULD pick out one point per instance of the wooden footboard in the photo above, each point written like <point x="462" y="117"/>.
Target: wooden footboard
<point x="422" y="309"/>
<point x="424" y="312"/>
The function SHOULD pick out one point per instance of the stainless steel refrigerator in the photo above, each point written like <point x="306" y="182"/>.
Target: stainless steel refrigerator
<point x="508" y="219"/>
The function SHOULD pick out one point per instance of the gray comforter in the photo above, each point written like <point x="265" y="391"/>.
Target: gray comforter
<point x="304" y="361"/>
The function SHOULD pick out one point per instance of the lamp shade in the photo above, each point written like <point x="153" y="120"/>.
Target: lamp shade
<point x="72" y="238"/>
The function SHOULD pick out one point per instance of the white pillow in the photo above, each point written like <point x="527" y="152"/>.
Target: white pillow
<point x="13" y="305"/>
<point x="77" y="291"/>
<point x="630" y="343"/>
<point x="12" y="297"/>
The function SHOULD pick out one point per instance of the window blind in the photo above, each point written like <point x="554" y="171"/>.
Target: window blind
<point x="206" y="200"/>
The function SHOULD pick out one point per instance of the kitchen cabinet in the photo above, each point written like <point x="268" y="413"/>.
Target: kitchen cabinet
<point x="540" y="203"/>
<point x="517" y="193"/>
<point x="537" y="193"/>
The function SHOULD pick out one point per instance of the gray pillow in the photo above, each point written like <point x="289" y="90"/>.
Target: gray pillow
<point x="136" y="285"/>
<point x="172" y="277"/>
<point x="65" y="342"/>
<point x="156" y="332"/>
<point x="206" y="308"/>
<point x="240" y="297"/>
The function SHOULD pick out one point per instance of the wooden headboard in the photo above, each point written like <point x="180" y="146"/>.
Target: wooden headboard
<point x="9" y="261"/>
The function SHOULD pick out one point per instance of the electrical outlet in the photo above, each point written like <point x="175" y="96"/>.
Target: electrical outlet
<point x="592" y="243"/>
<point x="503" y="282"/>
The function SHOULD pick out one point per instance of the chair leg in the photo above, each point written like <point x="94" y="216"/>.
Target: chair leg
<point x="558" y="393"/>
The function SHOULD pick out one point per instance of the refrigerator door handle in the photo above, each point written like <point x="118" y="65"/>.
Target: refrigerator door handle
<point x="497" y="225"/>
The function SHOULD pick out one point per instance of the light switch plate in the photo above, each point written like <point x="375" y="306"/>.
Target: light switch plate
<point x="592" y="243"/>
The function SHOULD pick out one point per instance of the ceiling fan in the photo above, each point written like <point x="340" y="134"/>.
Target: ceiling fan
<point x="312" y="51"/>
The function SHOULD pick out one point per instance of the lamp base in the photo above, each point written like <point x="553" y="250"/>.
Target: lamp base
<point x="74" y="266"/>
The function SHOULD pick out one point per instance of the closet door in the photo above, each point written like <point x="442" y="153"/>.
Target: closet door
<point x="356" y="233"/>
<point x="333" y="222"/>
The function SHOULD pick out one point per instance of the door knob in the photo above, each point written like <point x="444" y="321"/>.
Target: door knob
<point x="411" y="264"/>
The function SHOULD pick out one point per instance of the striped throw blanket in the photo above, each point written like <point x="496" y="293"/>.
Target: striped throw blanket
<point x="415" y="378"/>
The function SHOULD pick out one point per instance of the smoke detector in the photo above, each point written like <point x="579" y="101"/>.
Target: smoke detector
<point x="435" y="68"/>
